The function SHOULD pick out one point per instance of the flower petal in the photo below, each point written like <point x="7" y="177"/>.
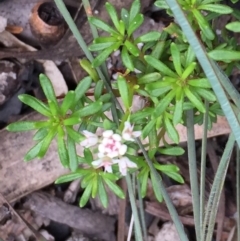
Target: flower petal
<point x="122" y="150"/>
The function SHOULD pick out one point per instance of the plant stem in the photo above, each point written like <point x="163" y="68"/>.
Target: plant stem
<point x="192" y="162"/>
<point x="141" y="207"/>
<point x="203" y="165"/>
<point x="215" y="194"/>
<point x="238" y="190"/>
<point x="168" y="201"/>
<point x="138" y="230"/>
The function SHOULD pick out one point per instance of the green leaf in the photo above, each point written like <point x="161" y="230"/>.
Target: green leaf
<point x="82" y="87"/>
<point x="146" y="130"/>
<point x="149" y="78"/>
<point x="135" y="23"/>
<point x="206" y="94"/>
<point x="175" y="176"/>
<point x="73" y="159"/>
<point x="69" y="177"/>
<point x="94" y="186"/>
<point x="23" y="126"/>
<point x="171" y="130"/>
<point x="141" y="114"/>
<point x="126" y="59"/>
<point x="47" y="141"/>
<point x="204" y="25"/>
<point x="104" y="54"/>
<point x="144" y="181"/>
<point x="115" y="188"/>
<point x="33" y="152"/>
<point x="178" y="110"/>
<point x="102" y="193"/>
<point x="135" y="9"/>
<point x="148" y="37"/>
<point x="195" y="100"/>
<point x="125" y="17"/>
<point x="172" y="151"/>
<point x="166" y="168"/>
<point x="48" y="88"/>
<point x="113" y="14"/>
<point x="88" y="110"/>
<point x="40" y="134"/>
<point x="156" y="189"/>
<point x="36" y="104"/>
<point x="164" y="103"/>
<point x="102" y="25"/>
<point x="100" y="46"/>
<point x="160" y="66"/>
<point x="161" y="4"/>
<point x="216" y="8"/>
<point x="98" y="90"/>
<point x="233" y="26"/>
<point x="68" y="101"/>
<point x="124" y="91"/>
<point x="201" y="83"/>
<point x="76" y="136"/>
<point x="133" y="49"/>
<point x="190" y="56"/>
<point x="87" y="66"/>
<point x="175" y="54"/>
<point x="104" y="39"/>
<point x="72" y="120"/>
<point x="188" y="70"/>
<point x="53" y="108"/>
<point x="86" y="195"/>
<point x="62" y="151"/>
<point x="88" y="156"/>
<point x="222" y="55"/>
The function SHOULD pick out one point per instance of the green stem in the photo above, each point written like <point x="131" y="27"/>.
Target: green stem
<point x="168" y="201"/>
<point x="215" y="194"/>
<point x="141" y="207"/>
<point x="203" y="165"/>
<point x="138" y="231"/>
<point x="192" y="161"/>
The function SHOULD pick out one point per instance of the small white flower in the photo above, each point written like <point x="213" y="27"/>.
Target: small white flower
<point x="91" y="139"/>
<point x="111" y="145"/>
<point x="105" y="162"/>
<point x="124" y="163"/>
<point x="128" y="134"/>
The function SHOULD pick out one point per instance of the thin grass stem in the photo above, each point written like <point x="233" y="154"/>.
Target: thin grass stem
<point x="173" y="213"/>
<point x="238" y="190"/>
<point x="192" y="162"/>
<point x="203" y="165"/>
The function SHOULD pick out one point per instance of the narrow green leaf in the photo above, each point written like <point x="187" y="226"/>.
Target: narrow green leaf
<point x="188" y="71"/>
<point x="144" y="181"/>
<point x="135" y="23"/>
<point x="175" y="54"/>
<point x="161" y="4"/>
<point x="47" y="141"/>
<point x="195" y="100"/>
<point x="98" y="89"/>
<point x="69" y="177"/>
<point x="233" y="26"/>
<point x="217" y="8"/>
<point x="104" y="39"/>
<point x="146" y="130"/>
<point x="172" y="151"/>
<point x="76" y="136"/>
<point x="135" y="9"/>
<point x="141" y="114"/>
<point x="94" y="186"/>
<point x="102" y="25"/>
<point x="124" y="91"/>
<point x="132" y="48"/>
<point x="113" y="14"/>
<point x="62" y="151"/>
<point x="206" y="94"/>
<point x="68" y="101"/>
<point x="104" y="54"/>
<point x="223" y="54"/>
<point x="73" y="159"/>
<point x="102" y="193"/>
<point x="190" y="57"/>
<point x="33" y="152"/>
<point x="22" y="126"/>
<point x="53" y="108"/>
<point x="175" y="176"/>
<point x="201" y="83"/>
<point x="115" y="188"/>
<point x="100" y="46"/>
<point x="160" y="66"/>
<point x="171" y="130"/>
<point x="36" y="104"/>
<point x="82" y="87"/>
<point x="149" y="78"/>
<point x="88" y="156"/>
<point x="48" y="88"/>
<point x="126" y="59"/>
<point x="40" y="134"/>
<point x="156" y="189"/>
<point x="178" y="111"/>
<point x="164" y="103"/>
<point x="148" y="37"/>
<point x="125" y="17"/>
<point x="86" y="195"/>
<point x="88" y="110"/>
<point x="72" y="120"/>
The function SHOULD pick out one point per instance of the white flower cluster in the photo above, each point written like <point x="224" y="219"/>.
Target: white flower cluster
<point x="111" y="149"/>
